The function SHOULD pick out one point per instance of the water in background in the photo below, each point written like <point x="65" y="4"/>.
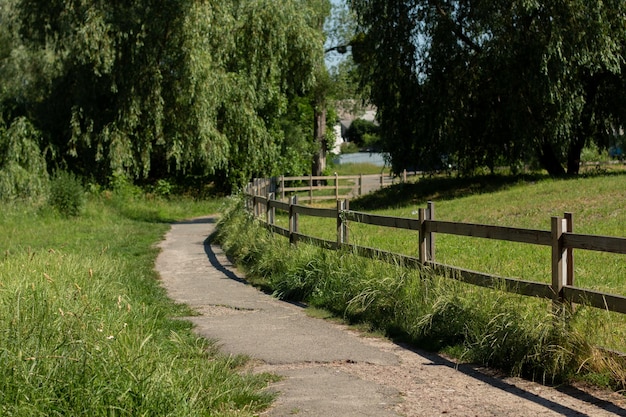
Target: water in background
<point x="373" y="158"/>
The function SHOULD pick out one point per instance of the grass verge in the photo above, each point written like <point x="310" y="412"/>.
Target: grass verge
<point x="86" y="328"/>
<point x="520" y="335"/>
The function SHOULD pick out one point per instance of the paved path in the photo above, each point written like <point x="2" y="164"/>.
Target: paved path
<point x="331" y="370"/>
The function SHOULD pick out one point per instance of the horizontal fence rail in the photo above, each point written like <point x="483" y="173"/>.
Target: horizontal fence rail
<point x="319" y="187"/>
<point x="511" y="234"/>
<point x="560" y="238"/>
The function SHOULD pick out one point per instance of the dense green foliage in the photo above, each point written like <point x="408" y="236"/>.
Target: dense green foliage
<point x="22" y="166"/>
<point x="364" y="133"/>
<point x="491" y="83"/>
<point x="86" y="329"/>
<point x="189" y="88"/>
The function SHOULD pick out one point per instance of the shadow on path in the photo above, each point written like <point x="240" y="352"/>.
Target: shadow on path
<point x="215" y="263"/>
<point x="474" y="372"/>
<point x="470" y="370"/>
<point x="201" y="220"/>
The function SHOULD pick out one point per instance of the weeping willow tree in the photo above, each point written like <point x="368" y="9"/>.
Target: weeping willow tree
<point x="494" y="82"/>
<point x="153" y="89"/>
<point x="22" y="166"/>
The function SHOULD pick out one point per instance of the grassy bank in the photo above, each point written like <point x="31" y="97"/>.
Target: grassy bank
<point x="87" y="330"/>
<point x="514" y="333"/>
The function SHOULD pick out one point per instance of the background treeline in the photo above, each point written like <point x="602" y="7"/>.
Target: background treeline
<point x="151" y="90"/>
<point x="494" y="83"/>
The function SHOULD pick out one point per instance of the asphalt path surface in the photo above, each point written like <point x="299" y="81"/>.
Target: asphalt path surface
<point x="330" y="370"/>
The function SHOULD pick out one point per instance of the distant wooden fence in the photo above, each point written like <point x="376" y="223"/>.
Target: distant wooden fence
<point x="343" y="186"/>
<point x="561" y="238"/>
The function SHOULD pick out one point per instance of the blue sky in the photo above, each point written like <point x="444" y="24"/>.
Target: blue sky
<point x="332" y="58"/>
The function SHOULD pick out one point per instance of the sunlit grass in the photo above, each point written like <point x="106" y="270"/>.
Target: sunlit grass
<point x="520" y="335"/>
<point x="597" y="204"/>
<point x="85" y="328"/>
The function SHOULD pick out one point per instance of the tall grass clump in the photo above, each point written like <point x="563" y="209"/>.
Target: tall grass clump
<point x="67" y="194"/>
<point x="520" y="335"/>
<point x="86" y="329"/>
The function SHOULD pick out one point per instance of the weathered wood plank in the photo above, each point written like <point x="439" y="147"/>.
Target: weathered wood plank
<point x="616" y="303"/>
<point x="511" y="234"/>
<point x="387" y="221"/>
<point x="322" y="243"/>
<point x="516" y="286"/>
<point x="327" y="197"/>
<point x="280" y="205"/>
<point x="321" y="177"/>
<point x="318" y="188"/>
<point x="306" y="178"/>
<point x="595" y="243"/>
<point x="278" y="230"/>
<point x="373" y="253"/>
<point x="512" y="285"/>
<point x="315" y="211"/>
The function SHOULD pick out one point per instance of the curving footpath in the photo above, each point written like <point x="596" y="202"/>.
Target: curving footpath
<point x="330" y="370"/>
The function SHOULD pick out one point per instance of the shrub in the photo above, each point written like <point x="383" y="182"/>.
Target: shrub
<point x="349" y="147"/>
<point x="67" y="195"/>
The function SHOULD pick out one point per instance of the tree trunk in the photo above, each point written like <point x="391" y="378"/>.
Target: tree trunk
<point x="585" y="129"/>
<point x="573" y="156"/>
<point x="549" y="161"/>
<point x="319" y="133"/>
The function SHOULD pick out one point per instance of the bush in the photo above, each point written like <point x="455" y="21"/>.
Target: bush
<point x="349" y="147"/>
<point x="360" y="128"/>
<point x="67" y="195"/>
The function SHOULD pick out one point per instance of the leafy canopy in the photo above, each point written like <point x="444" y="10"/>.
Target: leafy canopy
<point x="152" y="89"/>
<point x="493" y="82"/>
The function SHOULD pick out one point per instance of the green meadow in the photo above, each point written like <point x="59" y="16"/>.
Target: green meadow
<point x="87" y="330"/>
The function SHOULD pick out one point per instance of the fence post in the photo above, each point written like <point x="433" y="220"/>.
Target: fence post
<point x="430" y="237"/>
<point x="270" y="212"/>
<point x="336" y="186"/>
<point x="342" y="223"/>
<point x="310" y="188"/>
<point x="255" y="192"/>
<point x="569" y="220"/>
<point x="423" y="253"/>
<point x="273" y="185"/>
<point x="559" y="261"/>
<point x="282" y="188"/>
<point x="346" y="237"/>
<point x="382" y="181"/>
<point x="293" y="219"/>
<point x="246" y="198"/>
<point x="360" y="185"/>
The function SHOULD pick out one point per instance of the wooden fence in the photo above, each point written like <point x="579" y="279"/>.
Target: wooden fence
<point x="340" y="186"/>
<point x="561" y="238"/>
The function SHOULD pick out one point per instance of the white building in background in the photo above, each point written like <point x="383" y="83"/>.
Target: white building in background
<point x="346" y="117"/>
<point x="338" y="139"/>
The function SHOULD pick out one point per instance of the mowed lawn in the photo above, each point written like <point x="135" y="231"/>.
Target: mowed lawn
<point x="597" y="203"/>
